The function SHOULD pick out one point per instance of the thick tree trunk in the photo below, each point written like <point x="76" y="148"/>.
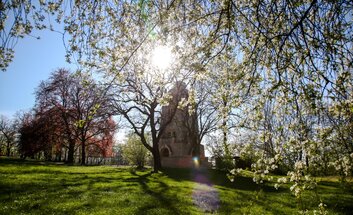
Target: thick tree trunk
<point x="225" y="130"/>
<point x="157" y="165"/>
<point x="58" y="156"/>
<point x="83" y="153"/>
<point x="70" y="156"/>
<point x="48" y="155"/>
<point x="8" y="149"/>
<point x="225" y="139"/>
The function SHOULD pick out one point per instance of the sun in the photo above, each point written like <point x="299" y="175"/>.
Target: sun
<point x="162" y="57"/>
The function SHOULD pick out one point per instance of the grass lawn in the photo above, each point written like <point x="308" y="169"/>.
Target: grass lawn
<point x="32" y="187"/>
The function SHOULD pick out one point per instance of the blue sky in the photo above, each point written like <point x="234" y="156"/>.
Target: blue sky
<point x="33" y="62"/>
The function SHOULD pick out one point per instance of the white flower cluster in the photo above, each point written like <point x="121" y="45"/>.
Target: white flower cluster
<point x="233" y="173"/>
<point x="322" y="210"/>
<point x="301" y="182"/>
<point x="262" y="167"/>
<point x="280" y="181"/>
<point x="344" y="164"/>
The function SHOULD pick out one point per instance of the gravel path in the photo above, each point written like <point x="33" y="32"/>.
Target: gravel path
<point x="204" y="195"/>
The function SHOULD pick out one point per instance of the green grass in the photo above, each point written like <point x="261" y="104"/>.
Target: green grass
<point x="32" y="187"/>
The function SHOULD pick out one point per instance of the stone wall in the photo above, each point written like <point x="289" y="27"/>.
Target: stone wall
<point x="183" y="162"/>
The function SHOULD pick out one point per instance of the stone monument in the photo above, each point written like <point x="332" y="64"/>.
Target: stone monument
<point x="176" y="146"/>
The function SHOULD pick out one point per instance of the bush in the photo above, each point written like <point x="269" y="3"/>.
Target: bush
<point x="135" y="152"/>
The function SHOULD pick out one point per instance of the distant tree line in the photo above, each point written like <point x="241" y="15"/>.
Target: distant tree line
<point x="71" y="117"/>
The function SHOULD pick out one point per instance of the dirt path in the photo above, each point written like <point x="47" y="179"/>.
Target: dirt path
<point x="204" y="195"/>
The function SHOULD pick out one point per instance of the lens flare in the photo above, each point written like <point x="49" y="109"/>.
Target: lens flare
<point x="196" y="161"/>
<point x="162" y="57"/>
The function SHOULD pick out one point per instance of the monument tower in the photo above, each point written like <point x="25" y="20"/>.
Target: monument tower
<point x="176" y="146"/>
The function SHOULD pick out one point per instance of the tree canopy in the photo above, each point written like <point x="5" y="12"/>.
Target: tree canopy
<point x="279" y="72"/>
<point x="71" y="112"/>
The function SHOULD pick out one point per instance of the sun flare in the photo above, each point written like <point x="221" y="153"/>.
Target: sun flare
<point x="162" y="57"/>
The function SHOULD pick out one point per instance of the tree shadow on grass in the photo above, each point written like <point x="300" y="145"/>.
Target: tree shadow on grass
<point x="217" y="178"/>
<point x="27" y="162"/>
<point x="65" y="195"/>
<point x="29" y="188"/>
<point x="338" y="199"/>
<point x="161" y="192"/>
<point x="43" y="188"/>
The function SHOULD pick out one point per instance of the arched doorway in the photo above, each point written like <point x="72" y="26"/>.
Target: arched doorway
<point x="194" y="152"/>
<point x="165" y="152"/>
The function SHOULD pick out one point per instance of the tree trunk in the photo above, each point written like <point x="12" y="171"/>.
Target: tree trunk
<point x="70" y="156"/>
<point x="195" y="137"/>
<point x="83" y="153"/>
<point x="196" y="146"/>
<point x="157" y="165"/>
<point x="8" y="149"/>
<point x="225" y="138"/>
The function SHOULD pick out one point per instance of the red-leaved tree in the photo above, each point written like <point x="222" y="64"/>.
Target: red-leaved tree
<point x="82" y="110"/>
